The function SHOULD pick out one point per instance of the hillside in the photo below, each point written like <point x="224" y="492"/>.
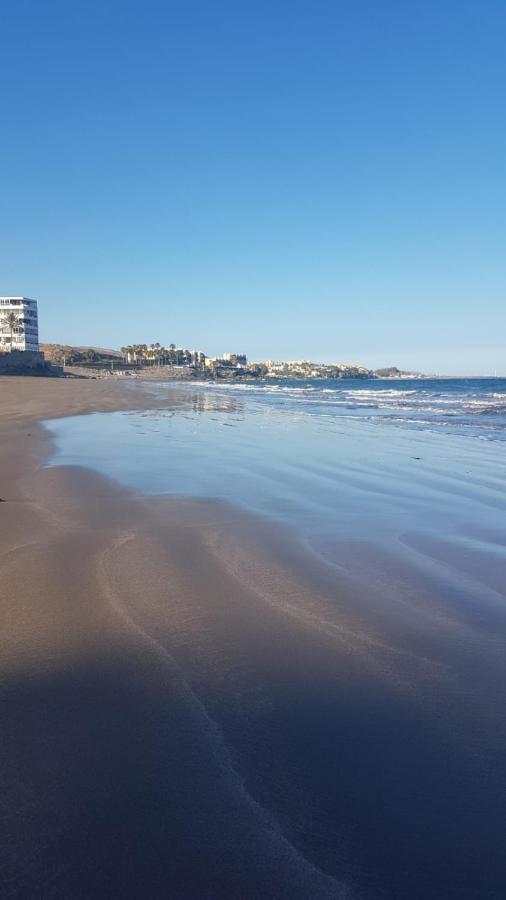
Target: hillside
<point x="58" y="353"/>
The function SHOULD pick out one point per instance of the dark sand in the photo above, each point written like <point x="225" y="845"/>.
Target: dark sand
<point x="192" y="706"/>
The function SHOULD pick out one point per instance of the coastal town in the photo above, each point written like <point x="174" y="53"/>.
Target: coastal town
<point x="20" y="350"/>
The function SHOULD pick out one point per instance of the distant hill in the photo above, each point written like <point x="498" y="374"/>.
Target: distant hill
<point x="57" y="353"/>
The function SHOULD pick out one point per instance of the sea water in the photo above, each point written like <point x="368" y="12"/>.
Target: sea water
<point x="333" y="459"/>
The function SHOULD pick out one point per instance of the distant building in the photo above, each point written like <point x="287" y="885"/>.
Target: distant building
<point x="21" y="332"/>
<point x="227" y="361"/>
<point x="235" y="359"/>
<point x="304" y="368"/>
<point x="198" y="359"/>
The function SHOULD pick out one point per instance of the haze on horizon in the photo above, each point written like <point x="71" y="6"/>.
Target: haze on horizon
<point x="321" y="180"/>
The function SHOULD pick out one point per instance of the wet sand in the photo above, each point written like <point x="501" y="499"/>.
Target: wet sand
<point x="195" y="706"/>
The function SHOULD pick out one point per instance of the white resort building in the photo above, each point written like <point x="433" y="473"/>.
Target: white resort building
<point x="19" y="324"/>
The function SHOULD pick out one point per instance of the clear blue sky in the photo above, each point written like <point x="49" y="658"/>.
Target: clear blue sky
<point x="319" y="179"/>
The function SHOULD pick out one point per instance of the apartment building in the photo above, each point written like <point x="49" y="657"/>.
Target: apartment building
<point x="20" y="332"/>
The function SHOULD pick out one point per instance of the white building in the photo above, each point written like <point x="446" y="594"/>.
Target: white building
<point x="228" y="360"/>
<point x="236" y="359"/>
<point x="22" y="333"/>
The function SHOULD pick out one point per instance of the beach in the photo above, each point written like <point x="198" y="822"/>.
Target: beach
<point x="197" y="704"/>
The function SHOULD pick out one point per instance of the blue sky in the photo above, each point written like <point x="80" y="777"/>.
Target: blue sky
<point x="319" y="179"/>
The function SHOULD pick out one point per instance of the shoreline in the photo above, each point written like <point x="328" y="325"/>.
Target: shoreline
<point x="165" y="374"/>
<point x="77" y="640"/>
<point x="193" y="704"/>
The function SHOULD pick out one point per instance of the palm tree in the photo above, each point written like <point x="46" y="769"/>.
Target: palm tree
<point x="140" y="352"/>
<point x="154" y="352"/>
<point x="11" y="320"/>
<point x="158" y="353"/>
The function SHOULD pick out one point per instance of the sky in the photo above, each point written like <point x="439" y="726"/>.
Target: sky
<point x="320" y="180"/>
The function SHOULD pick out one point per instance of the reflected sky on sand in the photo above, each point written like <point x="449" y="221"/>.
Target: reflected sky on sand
<point x="330" y="477"/>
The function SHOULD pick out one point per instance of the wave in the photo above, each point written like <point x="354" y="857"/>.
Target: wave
<point x="469" y="406"/>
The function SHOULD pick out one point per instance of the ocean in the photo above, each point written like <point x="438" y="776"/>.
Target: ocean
<point x="470" y="406"/>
